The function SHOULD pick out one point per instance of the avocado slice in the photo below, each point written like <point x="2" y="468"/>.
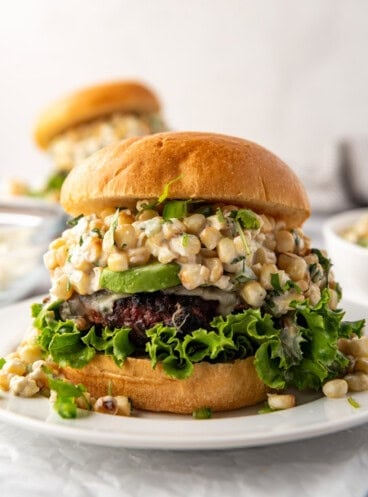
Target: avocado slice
<point x="148" y="278"/>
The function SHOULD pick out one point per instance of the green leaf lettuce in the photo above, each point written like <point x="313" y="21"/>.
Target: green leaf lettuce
<point x="299" y="349"/>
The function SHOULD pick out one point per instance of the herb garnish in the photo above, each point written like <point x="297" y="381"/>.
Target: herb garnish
<point x="247" y="218"/>
<point x="98" y="232"/>
<point x="266" y="409"/>
<point x="66" y="394"/>
<point x="185" y="239"/>
<point x="353" y="402"/>
<point x="279" y="289"/>
<point x="202" y="413"/>
<point x="162" y="197"/>
<point x="220" y="215"/>
<point x="74" y="221"/>
<point x="324" y="261"/>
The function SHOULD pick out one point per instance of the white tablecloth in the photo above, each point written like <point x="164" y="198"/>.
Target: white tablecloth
<point x="34" y="465"/>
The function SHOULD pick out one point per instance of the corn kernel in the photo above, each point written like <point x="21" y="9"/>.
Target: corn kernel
<point x="14" y="366"/>
<point x="117" y="262"/>
<point x="55" y="244"/>
<point x="30" y="353"/>
<point x="4" y="381"/>
<point x="125" y="236"/>
<point x="62" y="288"/>
<point x="49" y="260"/>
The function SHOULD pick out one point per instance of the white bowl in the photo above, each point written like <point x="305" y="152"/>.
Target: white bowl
<point x="350" y="261"/>
<point x="26" y="228"/>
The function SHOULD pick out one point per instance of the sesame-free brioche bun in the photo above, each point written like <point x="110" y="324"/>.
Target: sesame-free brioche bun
<point x="206" y="166"/>
<point x="91" y="103"/>
<point x="222" y="387"/>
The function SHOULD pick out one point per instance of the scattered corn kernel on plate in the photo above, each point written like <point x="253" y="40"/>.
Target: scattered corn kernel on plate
<point x="314" y="415"/>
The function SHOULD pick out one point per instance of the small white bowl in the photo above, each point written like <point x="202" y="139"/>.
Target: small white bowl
<point x="350" y="261"/>
<point x="26" y="228"/>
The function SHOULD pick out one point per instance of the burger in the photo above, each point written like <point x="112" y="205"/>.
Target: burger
<point x="185" y="280"/>
<point x="75" y="126"/>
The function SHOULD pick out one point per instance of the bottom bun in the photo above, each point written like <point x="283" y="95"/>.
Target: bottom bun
<point x="221" y="387"/>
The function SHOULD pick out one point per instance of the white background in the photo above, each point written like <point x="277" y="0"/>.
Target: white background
<point x="290" y="75"/>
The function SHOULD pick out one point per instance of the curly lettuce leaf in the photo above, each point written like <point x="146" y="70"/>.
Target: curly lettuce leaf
<point x="306" y="355"/>
<point x="302" y="353"/>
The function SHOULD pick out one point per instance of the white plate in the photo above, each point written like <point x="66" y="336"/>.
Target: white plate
<point x="241" y="428"/>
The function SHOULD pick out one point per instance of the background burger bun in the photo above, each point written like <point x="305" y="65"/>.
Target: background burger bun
<point x="91" y="103"/>
<point x="208" y="166"/>
<point x="221" y="387"/>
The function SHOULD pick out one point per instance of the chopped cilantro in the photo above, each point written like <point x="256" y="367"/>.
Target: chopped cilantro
<point x="279" y="289"/>
<point x="98" y="232"/>
<point x="297" y="239"/>
<point x="315" y="273"/>
<point x="247" y="218"/>
<point x="324" y="262"/>
<point x="75" y="220"/>
<point x="238" y="259"/>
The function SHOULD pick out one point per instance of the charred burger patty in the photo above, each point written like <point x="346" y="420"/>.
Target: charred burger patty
<point x="141" y="312"/>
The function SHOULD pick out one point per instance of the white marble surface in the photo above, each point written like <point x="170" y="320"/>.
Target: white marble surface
<point x="33" y="465"/>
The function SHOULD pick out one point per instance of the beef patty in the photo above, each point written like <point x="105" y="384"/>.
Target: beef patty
<point x="142" y="311"/>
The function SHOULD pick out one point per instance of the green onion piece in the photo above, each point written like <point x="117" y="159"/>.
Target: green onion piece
<point x="202" y="413"/>
<point x="240" y="231"/>
<point x="113" y="225"/>
<point x="175" y="209"/>
<point x="353" y="402"/>
<point x="2" y="362"/>
<point x="220" y="215"/>
<point x="166" y="189"/>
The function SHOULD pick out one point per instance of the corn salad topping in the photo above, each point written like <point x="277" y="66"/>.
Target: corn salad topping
<point x="71" y="147"/>
<point x="211" y="250"/>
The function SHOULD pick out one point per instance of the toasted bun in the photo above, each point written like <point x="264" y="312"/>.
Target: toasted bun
<point x="222" y="387"/>
<point x="91" y="103"/>
<point x="209" y="166"/>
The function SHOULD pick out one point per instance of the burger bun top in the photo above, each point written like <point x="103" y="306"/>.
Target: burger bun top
<point x="91" y="103"/>
<point x="206" y="166"/>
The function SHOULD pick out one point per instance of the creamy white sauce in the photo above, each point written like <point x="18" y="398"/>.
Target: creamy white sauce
<point x="227" y="300"/>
